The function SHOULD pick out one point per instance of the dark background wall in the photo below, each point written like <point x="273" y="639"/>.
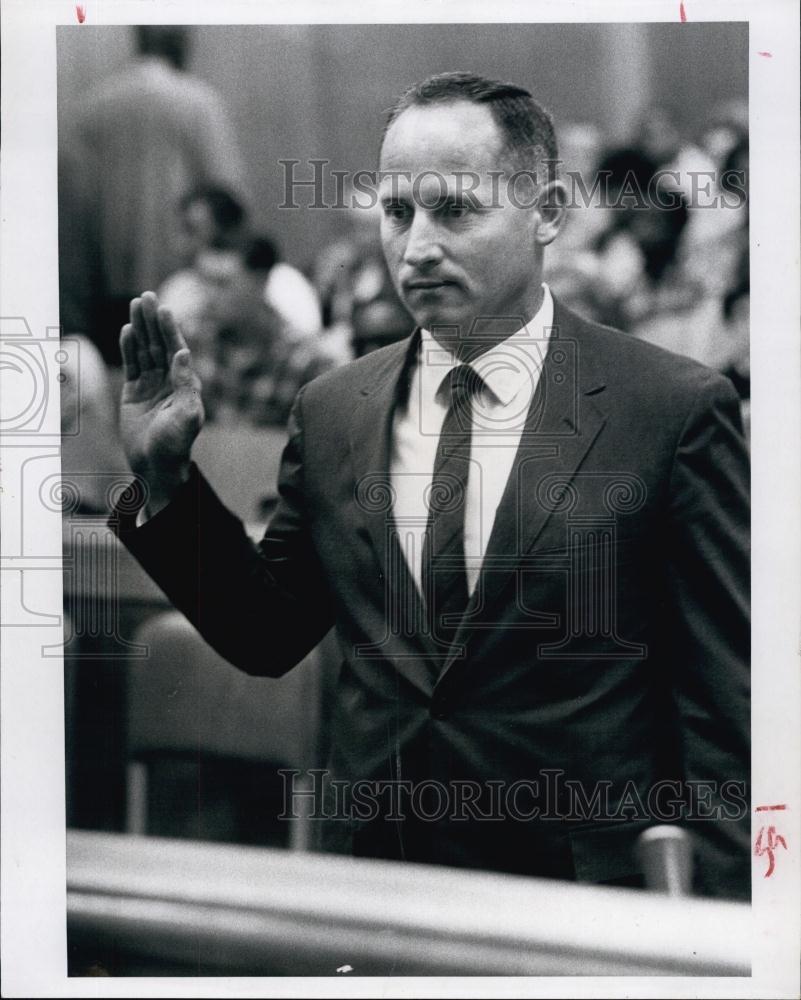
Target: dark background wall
<point x="302" y="91"/>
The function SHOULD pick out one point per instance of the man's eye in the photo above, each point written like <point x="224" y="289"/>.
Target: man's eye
<point x="455" y="209"/>
<point x="396" y="210"/>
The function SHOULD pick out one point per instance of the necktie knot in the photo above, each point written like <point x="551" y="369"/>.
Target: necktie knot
<point x="462" y="383"/>
<point x="460" y="386"/>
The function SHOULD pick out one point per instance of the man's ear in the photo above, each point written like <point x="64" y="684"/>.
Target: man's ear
<point x="551" y="211"/>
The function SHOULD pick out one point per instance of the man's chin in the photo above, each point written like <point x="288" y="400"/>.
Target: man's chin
<point x="431" y="319"/>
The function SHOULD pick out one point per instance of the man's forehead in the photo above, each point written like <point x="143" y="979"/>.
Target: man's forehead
<point x="457" y="135"/>
<point x="456" y="179"/>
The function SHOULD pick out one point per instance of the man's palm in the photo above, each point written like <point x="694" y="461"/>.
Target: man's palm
<point x="161" y="411"/>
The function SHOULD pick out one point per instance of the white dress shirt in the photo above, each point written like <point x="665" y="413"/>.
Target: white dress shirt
<point x="510" y="371"/>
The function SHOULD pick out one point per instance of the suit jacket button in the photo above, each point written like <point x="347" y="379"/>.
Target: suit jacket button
<point x="438" y="711"/>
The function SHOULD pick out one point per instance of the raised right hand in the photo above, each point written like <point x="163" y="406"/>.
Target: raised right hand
<point x="161" y="412"/>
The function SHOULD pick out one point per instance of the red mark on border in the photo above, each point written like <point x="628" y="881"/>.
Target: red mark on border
<point x="767" y="55"/>
<point x="772" y="842"/>
<point x="80" y="13"/>
<point x="682" y="14"/>
<point x="768" y="840"/>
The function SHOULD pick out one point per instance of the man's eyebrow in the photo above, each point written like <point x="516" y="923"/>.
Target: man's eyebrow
<point x="458" y="198"/>
<point x="395" y="198"/>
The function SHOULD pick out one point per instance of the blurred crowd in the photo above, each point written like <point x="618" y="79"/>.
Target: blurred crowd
<point x="656" y="241"/>
<point x="152" y="195"/>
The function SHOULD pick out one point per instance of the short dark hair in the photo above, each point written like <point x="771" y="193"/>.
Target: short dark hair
<point x="171" y="42"/>
<point x="227" y="212"/>
<point x="260" y="254"/>
<point x="527" y="128"/>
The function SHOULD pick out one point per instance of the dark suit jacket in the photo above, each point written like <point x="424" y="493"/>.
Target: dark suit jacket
<point x="605" y="648"/>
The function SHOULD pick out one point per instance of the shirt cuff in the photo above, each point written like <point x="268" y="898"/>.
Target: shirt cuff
<point x="129" y="513"/>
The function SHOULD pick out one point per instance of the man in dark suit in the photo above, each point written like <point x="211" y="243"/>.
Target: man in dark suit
<point x="530" y="533"/>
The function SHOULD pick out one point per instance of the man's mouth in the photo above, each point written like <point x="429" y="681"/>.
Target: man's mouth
<point x="426" y="283"/>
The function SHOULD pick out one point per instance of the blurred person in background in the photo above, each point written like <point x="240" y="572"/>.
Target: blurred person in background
<point x="361" y="308"/>
<point x="79" y="263"/>
<point x="211" y="218"/>
<point x="212" y="229"/>
<point x="91" y="450"/>
<point x="634" y="257"/>
<point x="696" y="311"/>
<point x="672" y="207"/>
<point x="145" y="137"/>
<point x="214" y="223"/>
<point x="292" y="295"/>
<point x="720" y="232"/>
<point x="257" y="360"/>
<point x="658" y="137"/>
<point x="655" y="235"/>
<point x="718" y="225"/>
<point x="725" y="128"/>
<point x="242" y="308"/>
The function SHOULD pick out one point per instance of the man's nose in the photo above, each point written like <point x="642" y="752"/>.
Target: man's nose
<point x="423" y="246"/>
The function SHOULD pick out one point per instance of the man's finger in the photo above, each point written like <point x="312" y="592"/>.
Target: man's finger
<point x="139" y="327"/>
<point x="182" y="371"/>
<point x="128" y="349"/>
<point x="155" y="340"/>
<point x="171" y="333"/>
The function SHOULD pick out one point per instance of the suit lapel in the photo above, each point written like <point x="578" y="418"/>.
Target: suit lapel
<point x="371" y="440"/>
<point x="563" y="421"/>
<point x="370" y="450"/>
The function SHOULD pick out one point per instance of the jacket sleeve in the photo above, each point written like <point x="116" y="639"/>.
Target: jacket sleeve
<point x="262" y="607"/>
<point x="709" y="634"/>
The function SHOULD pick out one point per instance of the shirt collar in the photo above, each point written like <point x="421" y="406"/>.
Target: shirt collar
<point x="505" y="368"/>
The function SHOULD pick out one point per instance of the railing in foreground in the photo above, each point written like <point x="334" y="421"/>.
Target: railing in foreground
<point x="254" y="911"/>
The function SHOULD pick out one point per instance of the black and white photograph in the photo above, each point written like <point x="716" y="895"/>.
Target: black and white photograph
<point x="400" y="485"/>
